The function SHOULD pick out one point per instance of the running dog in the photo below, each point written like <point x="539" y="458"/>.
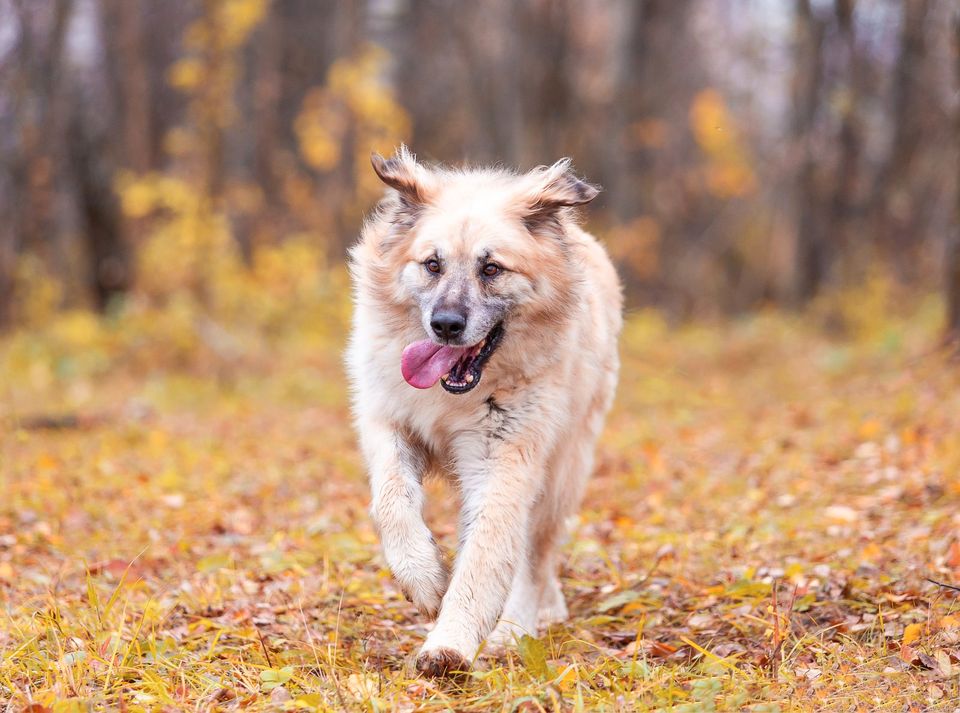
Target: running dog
<point x="484" y="348"/>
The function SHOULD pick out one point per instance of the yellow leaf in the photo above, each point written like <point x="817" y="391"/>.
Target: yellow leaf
<point x="911" y="633"/>
<point x="185" y="74"/>
<point x="793" y="571"/>
<point x="950" y="621"/>
<point x="568" y="679"/>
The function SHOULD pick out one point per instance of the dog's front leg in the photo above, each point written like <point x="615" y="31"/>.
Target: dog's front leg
<point x="396" y="469"/>
<point x="499" y="493"/>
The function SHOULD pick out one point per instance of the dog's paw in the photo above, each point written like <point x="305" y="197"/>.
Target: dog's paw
<point x="553" y="608"/>
<point x="442" y="663"/>
<point x="420" y="571"/>
<point x="425" y="589"/>
<point x="555" y="613"/>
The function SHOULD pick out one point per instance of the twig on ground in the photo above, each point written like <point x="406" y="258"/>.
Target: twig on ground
<point x="266" y="651"/>
<point x="777" y="641"/>
<point x="942" y="584"/>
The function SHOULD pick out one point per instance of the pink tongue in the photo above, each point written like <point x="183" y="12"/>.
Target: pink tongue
<point x="424" y="362"/>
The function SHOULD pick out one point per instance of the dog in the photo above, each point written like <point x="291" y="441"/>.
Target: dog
<point x="483" y="348"/>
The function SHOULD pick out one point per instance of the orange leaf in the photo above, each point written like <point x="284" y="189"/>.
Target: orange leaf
<point x="47" y="462"/>
<point x="953" y="555"/>
<point x="870" y="429"/>
<point x="871" y="552"/>
<point x="661" y="649"/>
<point x="909" y="655"/>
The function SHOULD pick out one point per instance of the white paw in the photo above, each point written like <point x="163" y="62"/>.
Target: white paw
<point x="422" y="576"/>
<point x="442" y="662"/>
<point x="447" y="649"/>
<point x="553" y="614"/>
<point x="553" y="608"/>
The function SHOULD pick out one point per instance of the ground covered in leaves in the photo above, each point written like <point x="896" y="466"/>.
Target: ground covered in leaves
<point x="183" y="525"/>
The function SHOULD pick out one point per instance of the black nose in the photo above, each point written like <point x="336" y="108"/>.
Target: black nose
<point x="448" y="324"/>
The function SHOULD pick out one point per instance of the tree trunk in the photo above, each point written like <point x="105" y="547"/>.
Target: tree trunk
<point x="895" y="211"/>
<point x="37" y="109"/>
<point x="214" y="107"/>
<point x="108" y="254"/>
<point x="842" y="231"/>
<point x="811" y="258"/>
<point x="39" y="121"/>
<point x="137" y="113"/>
<point x="266" y="106"/>
<point x="652" y="87"/>
<point x="953" y="247"/>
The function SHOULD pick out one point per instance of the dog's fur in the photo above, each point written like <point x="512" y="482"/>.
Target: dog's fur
<point x="520" y="445"/>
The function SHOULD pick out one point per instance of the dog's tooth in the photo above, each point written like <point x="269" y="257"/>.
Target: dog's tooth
<point x="446" y="376"/>
<point x="469" y="378"/>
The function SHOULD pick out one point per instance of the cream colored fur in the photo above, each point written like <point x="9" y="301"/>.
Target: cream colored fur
<point x="519" y="446"/>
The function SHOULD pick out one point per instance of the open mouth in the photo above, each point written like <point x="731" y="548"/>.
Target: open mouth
<point x="458" y="369"/>
<point x="465" y="374"/>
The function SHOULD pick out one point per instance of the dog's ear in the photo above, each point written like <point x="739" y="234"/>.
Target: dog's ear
<point x="405" y="175"/>
<point x="552" y="188"/>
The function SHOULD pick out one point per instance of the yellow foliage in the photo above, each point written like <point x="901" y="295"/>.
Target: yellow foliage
<point x="185" y="74"/>
<point x="728" y="172"/>
<point x="356" y="105"/>
<point x="320" y="126"/>
<point x="226" y="25"/>
<point x="863" y="309"/>
<point x="37" y="293"/>
<point x="238" y="18"/>
<point x="76" y="329"/>
<point x="142" y="195"/>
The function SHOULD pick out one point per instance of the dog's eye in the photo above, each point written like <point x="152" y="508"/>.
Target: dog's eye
<point x="491" y="269"/>
<point x="432" y="265"/>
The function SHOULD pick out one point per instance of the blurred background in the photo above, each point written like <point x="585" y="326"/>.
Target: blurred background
<point x="214" y="154"/>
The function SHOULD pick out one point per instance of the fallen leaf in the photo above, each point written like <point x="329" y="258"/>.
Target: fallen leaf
<point x="944" y="664"/>
<point x="661" y="650"/>
<point x="953" y="555"/>
<point x="617" y="601"/>
<point x="950" y="621"/>
<point x="911" y="633"/>
<point x="362" y="686"/>
<point x="534" y="656"/>
<point x="841" y="513"/>
<point x="908" y="655"/>
<point x="280" y="695"/>
<point x="273" y="677"/>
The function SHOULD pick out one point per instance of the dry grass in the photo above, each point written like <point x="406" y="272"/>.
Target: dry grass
<point x="191" y="533"/>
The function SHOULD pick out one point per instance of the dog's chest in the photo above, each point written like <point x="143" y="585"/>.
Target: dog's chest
<point x="439" y="418"/>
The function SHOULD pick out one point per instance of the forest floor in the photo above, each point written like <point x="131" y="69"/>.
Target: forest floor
<point x="185" y="526"/>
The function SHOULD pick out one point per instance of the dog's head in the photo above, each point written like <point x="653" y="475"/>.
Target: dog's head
<point x="477" y="253"/>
